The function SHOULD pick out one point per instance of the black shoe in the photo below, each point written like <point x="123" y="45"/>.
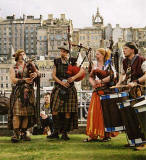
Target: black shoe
<point x="106" y="139"/>
<point x="65" y="137"/>
<point x="128" y="146"/>
<point x="25" y="138"/>
<point x="15" y="139"/>
<point x="53" y="136"/>
<point x="91" y="140"/>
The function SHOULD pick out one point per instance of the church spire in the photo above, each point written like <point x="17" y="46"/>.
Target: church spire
<point x="97" y="20"/>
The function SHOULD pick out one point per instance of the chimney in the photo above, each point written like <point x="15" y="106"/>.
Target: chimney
<point x="13" y="16"/>
<point x="62" y="16"/>
<point x="41" y="17"/>
<point x="24" y="16"/>
<point x="50" y="16"/>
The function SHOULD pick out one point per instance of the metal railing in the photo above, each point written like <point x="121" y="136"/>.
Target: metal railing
<point x="84" y="98"/>
<point x="3" y="120"/>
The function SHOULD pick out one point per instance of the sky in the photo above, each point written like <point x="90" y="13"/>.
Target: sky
<point x="127" y="13"/>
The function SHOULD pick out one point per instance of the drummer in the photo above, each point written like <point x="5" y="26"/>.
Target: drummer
<point x="100" y="80"/>
<point x="134" y="66"/>
<point x="133" y="71"/>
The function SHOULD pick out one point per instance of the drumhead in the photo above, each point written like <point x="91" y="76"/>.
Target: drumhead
<point x="142" y="103"/>
<point x="112" y="96"/>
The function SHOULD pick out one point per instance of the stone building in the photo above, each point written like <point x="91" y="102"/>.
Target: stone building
<point x="19" y="33"/>
<point x="45" y="68"/>
<point x="108" y="30"/>
<point x="52" y="34"/>
<point x="42" y="38"/>
<point x="118" y="33"/>
<point x="93" y="36"/>
<point x="5" y="83"/>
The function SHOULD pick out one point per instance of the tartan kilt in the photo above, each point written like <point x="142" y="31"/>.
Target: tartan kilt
<point x="64" y="105"/>
<point x="16" y="108"/>
<point x="19" y="110"/>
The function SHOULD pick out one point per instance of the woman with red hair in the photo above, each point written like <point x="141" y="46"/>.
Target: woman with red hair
<point x="99" y="79"/>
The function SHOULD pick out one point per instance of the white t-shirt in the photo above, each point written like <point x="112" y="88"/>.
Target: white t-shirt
<point x="143" y="66"/>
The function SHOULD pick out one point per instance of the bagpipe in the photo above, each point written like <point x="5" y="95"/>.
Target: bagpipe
<point x="101" y="73"/>
<point x="73" y="69"/>
<point x="32" y="67"/>
<point x="108" y="68"/>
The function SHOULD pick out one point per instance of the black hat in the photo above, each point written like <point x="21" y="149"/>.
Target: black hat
<point x="65" y="47"/>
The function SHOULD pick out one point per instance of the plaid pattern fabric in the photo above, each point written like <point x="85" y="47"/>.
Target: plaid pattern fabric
<point x="64" y="105"/>
<point x="19" y="110"/>
<point x="16" y="107"/>
<point x="61" y="69"/>
<point x="58" y="104"/>
<point x="69" y="104"/>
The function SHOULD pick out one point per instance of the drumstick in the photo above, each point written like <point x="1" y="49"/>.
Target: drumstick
<point x="126" y="86"/>
<point x="121" y="86"/>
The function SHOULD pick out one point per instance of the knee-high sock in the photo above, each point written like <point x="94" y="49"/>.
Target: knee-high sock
<point x="66" y="127"/>
<point x="56" y="123"/>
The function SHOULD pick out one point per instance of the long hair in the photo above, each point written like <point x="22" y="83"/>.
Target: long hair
<point x="105" y="53"/>
<point x="17" y="54"/>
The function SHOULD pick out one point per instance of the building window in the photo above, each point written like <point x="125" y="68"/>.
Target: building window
<point x="52" y="43"/>
<point x="58" y="43"/>
<point x="52" y="83"/>
<point x="2" y="85"/>
<point x="43" y="75"/>
<point x="6" y="85"/>
<point x="45" y="37"/>
<point x="51" y="37"/>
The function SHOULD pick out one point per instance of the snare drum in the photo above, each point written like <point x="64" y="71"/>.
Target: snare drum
<point x="111" y="113"/>
<point x="130" y="120"/>
<point x="140" y="109"/>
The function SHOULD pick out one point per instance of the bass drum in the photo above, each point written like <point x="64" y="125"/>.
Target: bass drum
<point x="111" y="112"/>
<point x="140" y="109"/>
<point x="4" y="105"/>
<point x="130" y="120"/>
